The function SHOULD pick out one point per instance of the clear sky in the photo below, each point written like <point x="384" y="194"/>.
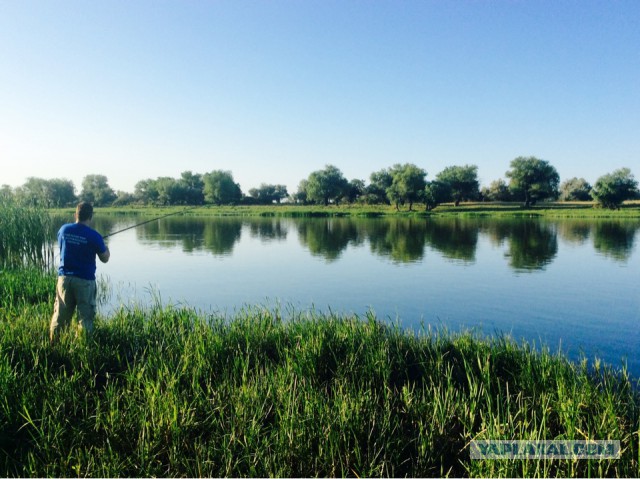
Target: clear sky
<point x="273" y="90"/>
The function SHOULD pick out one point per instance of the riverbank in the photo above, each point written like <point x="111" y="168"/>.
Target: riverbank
<point x="169" y="391"/>
<point x="546" y="210"/>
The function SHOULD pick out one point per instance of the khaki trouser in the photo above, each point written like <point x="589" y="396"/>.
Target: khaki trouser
<point x="72" y="292"/>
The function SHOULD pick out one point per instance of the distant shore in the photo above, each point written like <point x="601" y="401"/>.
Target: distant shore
<point x="498" y="209"/>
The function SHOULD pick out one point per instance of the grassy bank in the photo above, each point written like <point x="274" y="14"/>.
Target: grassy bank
<point x="548" y="210"/>
<point x="24" y="236"/>
<point x="170" y="392"/>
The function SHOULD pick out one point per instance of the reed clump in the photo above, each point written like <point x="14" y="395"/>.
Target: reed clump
<point x="168" y="391"/>
<point x="25" y="236"/>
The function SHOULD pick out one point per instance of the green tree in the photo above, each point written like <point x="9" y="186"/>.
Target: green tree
<point x="497" y="191"/>
<point x="193" y="188"/>
<point x="96" y="190"/>
<point x="436" y="192"/>
<point x="123" y="198"/>
<point x="146" y="191"/>
<point x="267" y="194"/>
<point x="33" y="192"/>
<point x="53" y="193"/>
<point x="376" y="191"/>
<point x="326" y="185"/>
<point x="575" y="189"/>
<point x="301" y="195"/>
<point x="220" y="188"/>
<point x="171" y="191"/>
<point x="611" y="190"/>
<point x="533" y="180"/>
<point x="355" y="190"/>
<point x="6" y="192"/>
<point x="408" y="185"/>
<point x="61" y="193"/>
<point x="462" y="181"/>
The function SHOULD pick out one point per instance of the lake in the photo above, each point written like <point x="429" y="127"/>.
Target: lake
<point x="569" y="284"/>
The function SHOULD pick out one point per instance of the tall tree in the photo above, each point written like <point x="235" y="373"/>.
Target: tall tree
<point x="462" y="181"/>
<point x="326" y="185"/>
<point x="436" y="192"/>
<point x="61" y="193"/>
<point x="301" y="196"/>
<point x="408" y="185"/>
<point x="575" y="189"/>
<point x="146" y="191"/>
<point x="267" y="194"/>
<point x="497" y="191"/>
<point x="220" y="188"/>
<point x="379" y="182"/>
<point x="355" y="190"/>
<point x="53" y="193"/>
<point x="193" y="187"/>
<point x="96" y="190"/>
<point x="533" y="179"/>
<point x="611" y="190"/>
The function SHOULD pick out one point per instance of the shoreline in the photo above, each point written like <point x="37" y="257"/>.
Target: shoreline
<point x="586" y="210"/>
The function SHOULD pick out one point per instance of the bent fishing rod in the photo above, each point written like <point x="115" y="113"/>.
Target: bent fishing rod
<point x="149" y="221"/>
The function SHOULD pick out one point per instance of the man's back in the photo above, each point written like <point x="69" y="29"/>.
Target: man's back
<point x="79" y="245"/>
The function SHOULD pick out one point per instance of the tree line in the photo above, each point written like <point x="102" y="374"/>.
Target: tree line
<point x="530" y="180"/>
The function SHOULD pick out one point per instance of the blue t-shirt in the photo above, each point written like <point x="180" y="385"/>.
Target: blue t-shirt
<point x="79" y="245"/>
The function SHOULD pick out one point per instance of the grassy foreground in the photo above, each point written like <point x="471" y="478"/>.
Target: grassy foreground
<point x="167" y="391"/>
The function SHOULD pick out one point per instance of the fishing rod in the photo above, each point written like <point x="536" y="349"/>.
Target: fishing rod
<point x="149" y="221"/>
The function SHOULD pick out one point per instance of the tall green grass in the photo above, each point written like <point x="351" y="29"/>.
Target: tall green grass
<point x="168" y="391"/>
<point x="25" y="236"/>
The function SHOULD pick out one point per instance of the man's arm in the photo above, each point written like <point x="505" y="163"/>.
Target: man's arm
<point x="104" y="257"/>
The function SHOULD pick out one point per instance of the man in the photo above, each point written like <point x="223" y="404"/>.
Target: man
<point x="76" y="287"/>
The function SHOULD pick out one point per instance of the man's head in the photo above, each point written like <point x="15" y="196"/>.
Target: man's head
<point x="84" y="211"/>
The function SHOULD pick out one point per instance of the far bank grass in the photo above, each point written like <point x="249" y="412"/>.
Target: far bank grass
<point x="491" y="209"/>
<point x="171" y="392"/>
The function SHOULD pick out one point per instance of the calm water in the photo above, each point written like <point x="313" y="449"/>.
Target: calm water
<point x="573" y="284"/>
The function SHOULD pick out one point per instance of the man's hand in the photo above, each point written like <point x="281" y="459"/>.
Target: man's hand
<point x="104" y="257"/>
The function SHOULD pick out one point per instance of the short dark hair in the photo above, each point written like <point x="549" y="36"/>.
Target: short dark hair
<point x="84" y="211"/>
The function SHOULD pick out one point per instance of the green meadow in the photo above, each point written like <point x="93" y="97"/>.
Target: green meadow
<point x="631" y="209"/>
<point x="171" y="391"/>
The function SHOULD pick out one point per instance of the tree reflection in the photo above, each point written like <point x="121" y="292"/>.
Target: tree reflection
<point x="267" y="229"/>
<point x="194" y="234"/>
<point x="328" y="237"/>
<point x="615" y="239"/>
<point x="576" y="232"/>
<point x="532" y="245"/>
<point x="402" y="240"/>
<point x="455" y="238"/>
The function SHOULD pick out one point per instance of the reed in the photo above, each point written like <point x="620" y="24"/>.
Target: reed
<point x="25" y="236"/>
<point x="168" y="391"/>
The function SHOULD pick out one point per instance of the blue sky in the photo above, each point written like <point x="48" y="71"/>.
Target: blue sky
<point x="273" y="90"/>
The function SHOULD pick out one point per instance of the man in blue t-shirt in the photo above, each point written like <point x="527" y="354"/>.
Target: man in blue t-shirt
<point x="76" y="287"/>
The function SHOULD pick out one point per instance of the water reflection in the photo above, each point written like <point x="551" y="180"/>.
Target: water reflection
<point x="614" y="239"/>
<point x="532" y="244"/>
<point x="576" y="232"/>
<point x="455" y="238"/>
<point x="328" y="238"/>
<point x="529" y="244"/>
<point x="193" y="234"/>
<point x="402" y="241"/>
<point x="268" y="229"/>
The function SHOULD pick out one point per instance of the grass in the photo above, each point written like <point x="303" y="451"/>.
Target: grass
<point x="24" y="236"/>
<point x="549" y="210"/>
<point x="168" y="391"/>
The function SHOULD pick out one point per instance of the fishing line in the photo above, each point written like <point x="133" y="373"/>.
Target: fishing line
<point x="149" y="221"/>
